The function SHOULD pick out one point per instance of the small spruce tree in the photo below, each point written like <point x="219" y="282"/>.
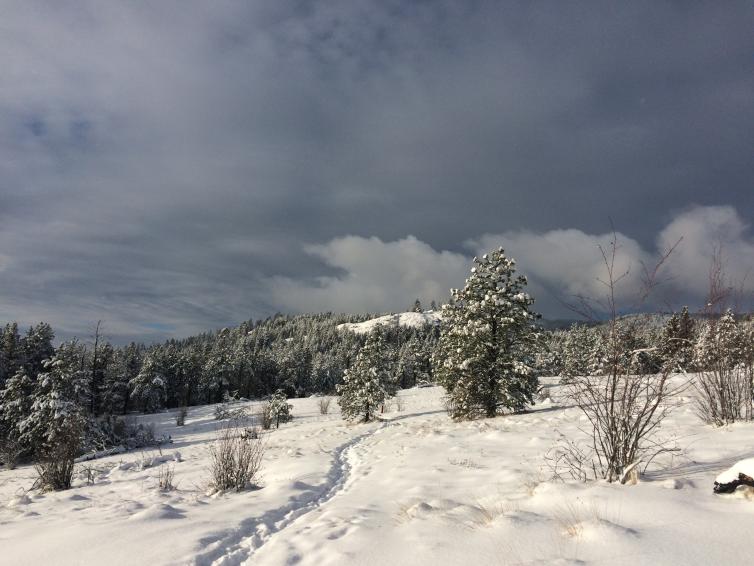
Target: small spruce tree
<point x="278" y="410"/>
<point x="368" y="383"/>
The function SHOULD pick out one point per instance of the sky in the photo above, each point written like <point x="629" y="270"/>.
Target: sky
<point x="174" y="167"/>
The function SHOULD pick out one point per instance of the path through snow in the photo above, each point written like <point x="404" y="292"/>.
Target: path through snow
<point x="238" y="546"/>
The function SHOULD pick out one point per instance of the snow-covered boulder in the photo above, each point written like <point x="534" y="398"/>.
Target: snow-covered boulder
<point x="741" y="473"/>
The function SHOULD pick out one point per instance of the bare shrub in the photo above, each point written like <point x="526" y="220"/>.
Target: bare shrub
<point x="627" y="403"/>
<point x="236" y="458"/>
<point x="263" y="418"/>
<point x="89" y="473"/>
<point x="399" y="404"/>
<point x="724" y="354"/>
<point x="324" y="405"/>
<point x="180" y="416"/>
<point x="10" y="452"/>
<point x="449" y="405"/>
<point x="723" y="396"/>
<point x="165" y="477"/>
<point x="55" y="468"/>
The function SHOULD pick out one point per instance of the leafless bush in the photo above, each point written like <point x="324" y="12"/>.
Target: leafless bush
<point x="723" y="396"/>
<point x="324" y="405"/>
<point x="399" y="404"/>
<point x="165" y="477"/>
<point x="624" y="406"/>
<point x="10" y="451"/>
<point x="570" y="460"/>
<point x="724" y="354"/>
<point x="236" y="458"/>
<point x="55" y="468"/>
<point x="89" y="473"/>
<point x="449" y="405"/>
<point x="263" y="418"/>
<point x="180" y="416"/>
<point x="624" y="411"/>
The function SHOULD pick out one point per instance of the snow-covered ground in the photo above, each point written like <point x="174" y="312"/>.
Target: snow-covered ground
<point x="414" y="489"/>
<point x="406" y="319"/>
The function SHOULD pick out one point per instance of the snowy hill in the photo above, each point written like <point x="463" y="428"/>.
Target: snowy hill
<point x="407" y="319"/>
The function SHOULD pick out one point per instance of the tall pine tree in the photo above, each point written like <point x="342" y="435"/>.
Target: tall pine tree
<point x="486" y="351"/>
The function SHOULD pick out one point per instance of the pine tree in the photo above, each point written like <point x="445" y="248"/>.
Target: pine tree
<point x="368" y="383"/>
<point x="413" y="364"/>
<point x="117" y="388"/>
<point x="580" y="352"/>
<point x="486" y="351"/>
<point x="676" y="348"/>
<point x="16" y="399"/>
<point x="56" y="422"/>
<point x="10" y="352"/>
<point x="37" y="347"/>
<point x="719" y="344"/>
<point x="148" y="387"/>
<point x="417" y="306"/>
<point x="278" y="410"/>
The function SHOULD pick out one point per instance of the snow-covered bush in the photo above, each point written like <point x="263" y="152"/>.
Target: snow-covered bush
<point x="368" y="383"/>
<point x="486" y="354"/>
<point x="231" y="409"/>
<point x="236" y="458"/>
<point x="277" y="409"/>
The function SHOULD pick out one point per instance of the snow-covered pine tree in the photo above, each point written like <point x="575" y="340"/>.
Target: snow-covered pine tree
<point x="57" y="419"/>
<point x="485" y="356"/>
<point x="579" y="350"/>
<point x="676" y="348"/>
<point x="417" y="306"/>
<point x="148" y="387"/>
<point x="37" y="347"/>
<point x="368" y="383"/>
<point x="10" y="352"/>
<point x="413" y="364"/>
<point x="278" y="410"/>
<point x="16" y="398"/>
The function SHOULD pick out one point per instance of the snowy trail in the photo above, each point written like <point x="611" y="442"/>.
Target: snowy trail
<point x="240" y="545"/>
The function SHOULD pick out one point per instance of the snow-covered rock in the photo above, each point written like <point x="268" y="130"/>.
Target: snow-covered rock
<point x="740" y="473"/>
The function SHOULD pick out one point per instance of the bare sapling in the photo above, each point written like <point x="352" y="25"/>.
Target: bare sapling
<point x="724" y="354"/>
<point x="627" y="402"/>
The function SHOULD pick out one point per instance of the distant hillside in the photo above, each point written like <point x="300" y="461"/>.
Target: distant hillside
<point x="404" y="319"/>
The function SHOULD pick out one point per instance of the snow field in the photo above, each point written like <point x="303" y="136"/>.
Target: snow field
<point x="414" y="488"/>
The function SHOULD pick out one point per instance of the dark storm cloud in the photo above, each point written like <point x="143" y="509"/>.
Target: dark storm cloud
<point x="167" y="167"/>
